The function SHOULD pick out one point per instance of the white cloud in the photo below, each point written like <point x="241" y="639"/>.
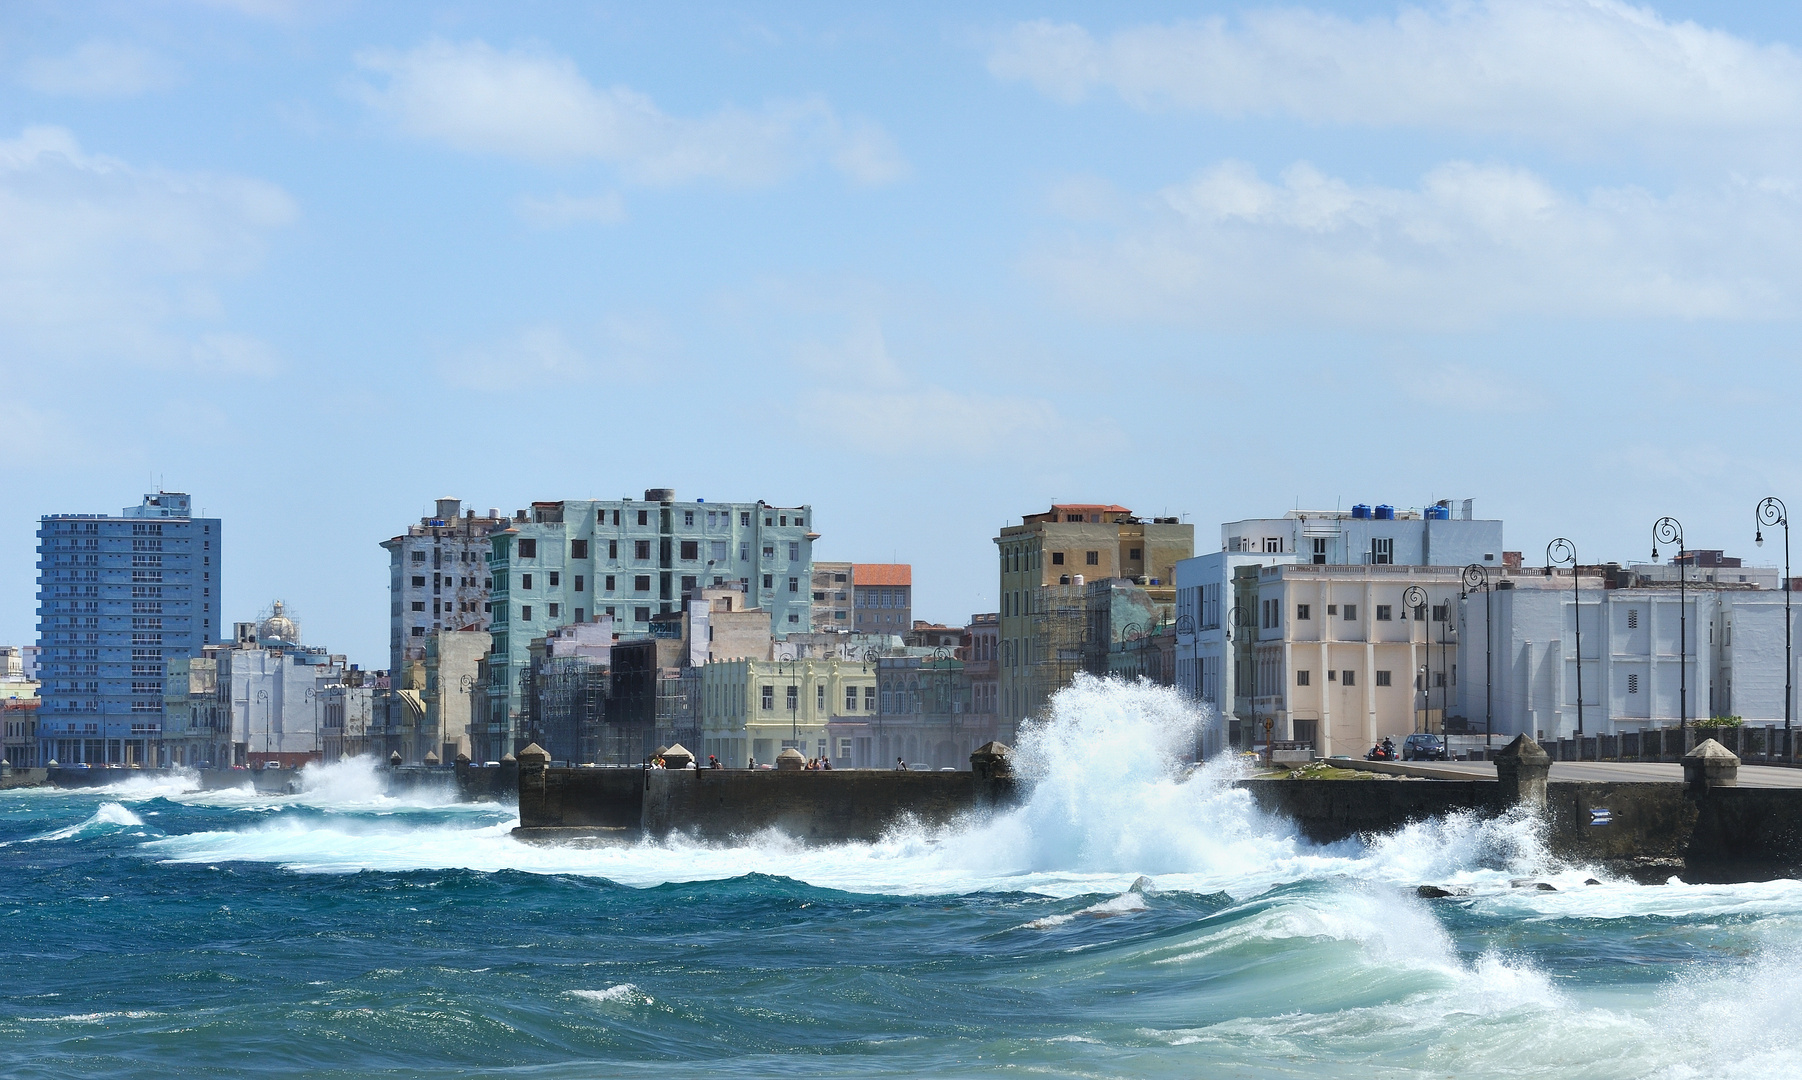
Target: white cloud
<point x="1567" y="70"/>
<point x="99" y="69"/>
<point x="561" y="210"/>
<point x="101" y="260"/>
<point x="538" y="106"/>
<point x="1471" y="244"/>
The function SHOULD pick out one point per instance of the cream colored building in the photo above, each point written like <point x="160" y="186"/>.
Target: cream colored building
<point x="1341" y="660"/>
<point x="758" y="708"/>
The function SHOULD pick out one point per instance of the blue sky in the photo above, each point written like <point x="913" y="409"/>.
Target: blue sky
<point x="320" y="263"/>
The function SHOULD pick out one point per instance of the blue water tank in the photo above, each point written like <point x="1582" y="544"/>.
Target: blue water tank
<point x="1360" y="511"/>
<point x="1385" y="513"/>
<point x="1439" y="513"/>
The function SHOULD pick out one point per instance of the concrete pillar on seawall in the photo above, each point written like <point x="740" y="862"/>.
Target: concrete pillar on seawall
<point x="1522" y="769"/>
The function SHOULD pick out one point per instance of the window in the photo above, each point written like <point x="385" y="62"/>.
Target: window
<point x="769" y="698"/>
<point x="555" y="578"/>
<point x="1301" y="678"/>
<point x="644" y="517"/>
<point x="769" y="519"/>
<point x="819" y="699"/>
<point x="1057" y="558"/>
<point x="1302" y="613"/>
<point x="1320" y="551"/>
<point x="419" y="581"/>
<point x="579" y="582"/>
<point x="688" y="518"/>
<point x="528" y="549"/>
<point x="1135" y="553"/>
<point x="691" y="549"/>
<point x="609" y="580"/>
<point x="525" y="581"/>
<point x="744" y="551"/>
<point x="794" y="585"/>
<point x="419" y="605"/>
<point x="1348" y="677"/>
<point x="719" y="551"/>
<point x="641" y="550"/>
<point x="553" y="611"/>
<point x="1332" y="609"/>
<point x="1438" y="678"/>
<point x="525" y="613"/>
<point x="1093" y="558"/>
<point x="1383" y="678"/>
<point x="766" y="581"/>
<point x="744" y="518"/>
<point x="419" y="556"/>
<point x="1384" y="613"/>
<point x="1382" y="550"/>
<point x="613" y="549"/>
<point x="869" y="699"/>
<point x="794" y="618"/>
<point x="850" y="699"/>
<point x="1440" y="611"/>
<point x="1420" y="613"/>
<point x="794" y="551"/>
<point x="1632" y="683"/>
<point x="578" y="549"/>
<point x="769" y="551"/>
<point x="791" y="697"/>
<point x="1632" y="624"/>
<point x="641" y="614"/>
<point x="1351" y="613"/>
<point x="1273" y="545"/>
<point x="1332" y="675"/>
<point x="641" y="583"/>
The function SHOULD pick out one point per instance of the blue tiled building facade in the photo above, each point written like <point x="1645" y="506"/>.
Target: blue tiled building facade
<point x="117" y="598"/>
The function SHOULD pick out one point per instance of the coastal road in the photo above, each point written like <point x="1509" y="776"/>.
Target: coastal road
<point x="1762" y="776"/>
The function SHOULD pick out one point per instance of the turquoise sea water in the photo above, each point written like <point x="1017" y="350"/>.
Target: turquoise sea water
<point x="1120" y="923"/>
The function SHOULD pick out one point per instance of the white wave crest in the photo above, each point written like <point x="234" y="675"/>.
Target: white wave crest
<point x="110" y="817"/>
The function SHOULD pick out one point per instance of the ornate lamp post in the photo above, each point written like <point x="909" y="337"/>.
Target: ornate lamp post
<point x="1185" y="627"/>
<point x="1557" y="553"/>
<point x="1414" y="599"/>
<point x="1476" y="576"/>
<point x="1667" y="531"/>
<point x="1771" y="512"/>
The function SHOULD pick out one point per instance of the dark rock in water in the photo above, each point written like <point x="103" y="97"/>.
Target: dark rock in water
<point x="1544" y="886"/>
<point x="1591" y="881"/>
<point x="1432" y="892"/>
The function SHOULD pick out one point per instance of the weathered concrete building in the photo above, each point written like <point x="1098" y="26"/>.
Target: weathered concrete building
<point x="575" y="560"/>
<point x="197" y="726"/>
<point x="982" y="647"/>
<point x="832" y="603"/>
<point x="882" y="597"/>
<point x="1046" y="562"/>
<point x="438" y="579"/>
<point x="451" y="657"/>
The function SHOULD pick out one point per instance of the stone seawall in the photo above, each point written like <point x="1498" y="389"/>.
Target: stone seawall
<point x="716" y="804"/>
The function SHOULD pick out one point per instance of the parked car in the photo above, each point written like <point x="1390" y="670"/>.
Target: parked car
<point x="1423" y="747"/>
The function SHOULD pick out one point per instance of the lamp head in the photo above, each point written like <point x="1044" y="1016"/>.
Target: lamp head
<point x="1759" y="538"/>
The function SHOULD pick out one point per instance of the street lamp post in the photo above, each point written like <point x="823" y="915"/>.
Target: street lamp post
<point x="1185" y="627"/>
<point x="1414" y="599"/>
<point x="1771" y="511"/>
<point x="1476" y="576"/>
<point x="1668" y="530"/>
<point x="1557" y="553"/>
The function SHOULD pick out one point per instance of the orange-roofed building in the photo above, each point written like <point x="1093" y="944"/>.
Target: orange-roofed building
<point x="882" y="597"/>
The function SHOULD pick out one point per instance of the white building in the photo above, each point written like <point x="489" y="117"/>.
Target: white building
<point x="1649" y="658"/>
<point x="1216" y="665"/>
<point x="438" y="580"/>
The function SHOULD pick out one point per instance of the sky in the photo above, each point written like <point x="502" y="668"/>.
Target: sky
<point x="925" y="270"/>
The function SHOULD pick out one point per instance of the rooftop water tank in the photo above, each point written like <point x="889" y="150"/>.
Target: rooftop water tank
<point x="1385" y="513"/>
<point x="1360" y="511"/>
<point x="1439" y="513"/>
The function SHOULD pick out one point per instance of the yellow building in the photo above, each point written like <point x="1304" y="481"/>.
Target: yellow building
<point x="755" y="709"/>
<point x="1048" y="562"/>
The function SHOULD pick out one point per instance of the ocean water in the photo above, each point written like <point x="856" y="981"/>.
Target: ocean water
<point x="1125" y="921"/>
